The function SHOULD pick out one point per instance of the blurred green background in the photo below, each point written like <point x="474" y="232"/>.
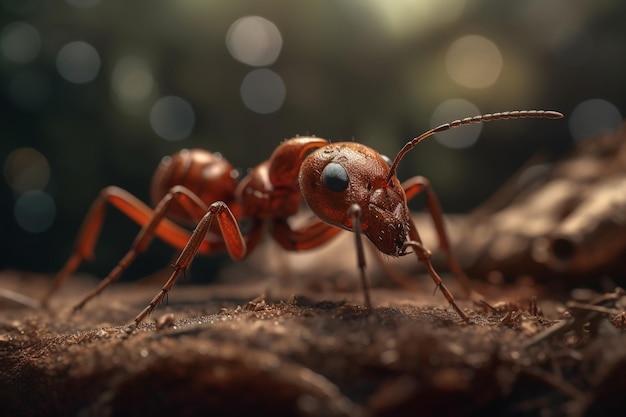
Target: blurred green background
<point x="95" y="92"/>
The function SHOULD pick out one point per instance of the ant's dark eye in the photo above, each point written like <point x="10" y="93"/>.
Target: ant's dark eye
<point x="335" y="177"/>
<point x="387" y="159"/>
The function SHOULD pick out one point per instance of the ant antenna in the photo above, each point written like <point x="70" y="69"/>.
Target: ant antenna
<point x="521" y="114"/>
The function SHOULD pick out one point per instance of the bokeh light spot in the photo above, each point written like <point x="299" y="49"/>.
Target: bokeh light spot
<point x="20" y="42"/>
<point x="34" y="211"/>
<point x="29" y="89"/>
<point x="450" y="110"/>
<point x="254" y="41"/>
<point x="592" y="117"/>
<point x="172" y="118"/>
<point x="406" y="17"/>
<point x="132" y="80"/>
<point x="78" y="62"/>
<point x="263" y="91"/>
<point x="26" y="169"/>
<point x="474" y="61"/>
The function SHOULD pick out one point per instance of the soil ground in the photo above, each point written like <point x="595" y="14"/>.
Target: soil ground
<point x="225" y="349"/>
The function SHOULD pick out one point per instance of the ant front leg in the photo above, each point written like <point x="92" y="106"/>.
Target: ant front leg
<point x="355" y="213"/>
<point x="414" y="186"/>
<point x="317" y="233"/>
<point x="233" y="239"/>
<point x="424" y="255"/>
<point x="415" y="243"/>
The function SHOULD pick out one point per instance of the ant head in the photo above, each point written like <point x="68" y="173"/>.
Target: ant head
<point x="335" y="177"/>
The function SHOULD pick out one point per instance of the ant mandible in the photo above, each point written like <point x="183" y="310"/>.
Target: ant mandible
<point x="347" y="185"/>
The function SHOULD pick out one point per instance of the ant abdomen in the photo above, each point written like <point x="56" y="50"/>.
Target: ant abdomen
<point x="208" y="175"/>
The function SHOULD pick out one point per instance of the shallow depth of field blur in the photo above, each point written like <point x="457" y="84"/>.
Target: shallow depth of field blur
<point x="95" y="92"/>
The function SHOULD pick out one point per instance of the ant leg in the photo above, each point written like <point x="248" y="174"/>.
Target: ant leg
<point x="145" y="236"/>
<point x="423" y="255"/>
<point x="151" y="221"/>
<point x="355" y="213"/>
<point x="309" y="236"/>
<point x="317" y="233"/>
<point x="412" y="187"/>
<point x="233" y="239"/>
<point x="90" y="230"/>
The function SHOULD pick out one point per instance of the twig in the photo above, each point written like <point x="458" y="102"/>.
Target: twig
<point x="581" y="314"/>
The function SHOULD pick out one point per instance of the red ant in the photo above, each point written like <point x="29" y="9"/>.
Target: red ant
<point x="347" y="185"/>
